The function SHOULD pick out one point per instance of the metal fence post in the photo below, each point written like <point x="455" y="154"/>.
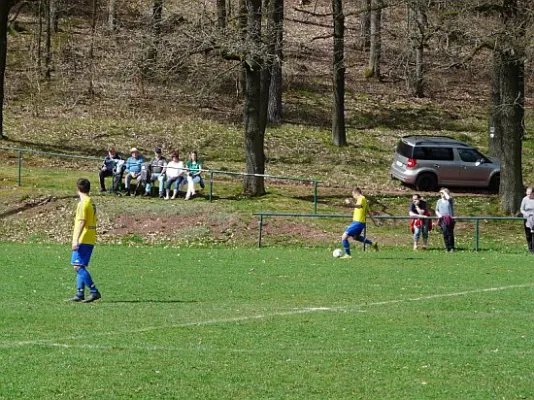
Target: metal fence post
<point x="315" y="197"/>
<point x="476" y="234"/>
<point x="211" y="185"/>
<point x="20" y="169"/>
<point x="260" y="222"/>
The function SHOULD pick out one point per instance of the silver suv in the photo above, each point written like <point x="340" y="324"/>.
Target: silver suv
<point x="430" y="162"/>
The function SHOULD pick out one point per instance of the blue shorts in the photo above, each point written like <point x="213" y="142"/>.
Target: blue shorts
<point x="82" y="255"/>
<point x="355" y="229"/>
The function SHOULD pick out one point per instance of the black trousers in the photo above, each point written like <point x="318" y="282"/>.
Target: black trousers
<point x="102" y="175"/>
<point x="529" y="236"/>
<point x="448" y="235"/>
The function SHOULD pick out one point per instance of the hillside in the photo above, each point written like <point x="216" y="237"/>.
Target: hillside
<point x="191" y="101"/>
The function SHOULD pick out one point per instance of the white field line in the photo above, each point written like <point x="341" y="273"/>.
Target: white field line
<point x="306" y="310"/>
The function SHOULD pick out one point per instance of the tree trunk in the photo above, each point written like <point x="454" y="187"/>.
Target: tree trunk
<point x="507" y="119"/>
<point x="376" y="40"/>
<point x="91" y="89"/>
<point x="152" y="53"/>
<point x="508" y="101"/>
<point x="4" y="17"/>
<point x="221" y="14"/>
<point x="242" y="21"/>
<point x="366" y="24"/>
<point x="112" y="15"/>
<point x="417" y="21"/>
<point x="274" y="111"/>
<point x="254" y="132"/>
<point x="48" y="56"/>
<point x="339" y="137"/>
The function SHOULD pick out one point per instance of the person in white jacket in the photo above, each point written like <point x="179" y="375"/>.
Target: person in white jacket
<point x="175" y="173"/>
<point x="527" y="209"/>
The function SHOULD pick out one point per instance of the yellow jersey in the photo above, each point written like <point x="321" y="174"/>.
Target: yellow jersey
<point x="360" y="214"/>
<point x="86" y="211"/>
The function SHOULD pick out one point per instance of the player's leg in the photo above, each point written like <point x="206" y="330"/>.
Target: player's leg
<point x="127" y="180"/>
<point x="85" y="251"/>
<point x="424" y="232"/>
<point x="416" y="235"/>
<point x="161" y="184"/>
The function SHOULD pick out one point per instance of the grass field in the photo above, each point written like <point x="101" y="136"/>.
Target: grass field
<point x="267" y="324"/>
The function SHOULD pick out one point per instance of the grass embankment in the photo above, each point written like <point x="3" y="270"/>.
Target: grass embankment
<point x="275" y="323"/>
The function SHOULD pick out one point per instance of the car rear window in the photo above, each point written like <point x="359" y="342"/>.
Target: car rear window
<point x="433" y="153"/>
<point x="404" y="149"/>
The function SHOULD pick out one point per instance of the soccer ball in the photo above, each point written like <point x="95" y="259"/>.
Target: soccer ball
<point x="337" y="253"/>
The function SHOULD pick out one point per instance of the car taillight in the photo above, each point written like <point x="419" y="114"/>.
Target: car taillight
<point x="411" y="163"/>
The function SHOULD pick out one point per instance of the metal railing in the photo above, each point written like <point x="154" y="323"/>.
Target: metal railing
<point x="211" y="172"/>
<point x="262" y="215"/>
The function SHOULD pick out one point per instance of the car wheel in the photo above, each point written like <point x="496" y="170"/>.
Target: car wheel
<point x="495" y="183"/>
<point x="426" y="182"/>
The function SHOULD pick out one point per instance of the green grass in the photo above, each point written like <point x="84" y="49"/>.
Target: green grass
<point x="246" y="324"/>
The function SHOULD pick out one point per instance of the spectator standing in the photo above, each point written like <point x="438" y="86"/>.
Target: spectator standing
<point x="174" y="171"/>
<point x="194" y="167"/>
<point x="134" y="165"/>
<point x="107" y="167"/>
<point x="83" y="242"/>
<point x="155" y="172"/>
<point x="355" y="229"/>
<point x="527" y="209"/>
<point x="420" y="223"/>
<point x="445" y="213"/>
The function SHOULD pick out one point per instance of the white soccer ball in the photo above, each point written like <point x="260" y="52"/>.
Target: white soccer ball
<point x="337" y="253"/>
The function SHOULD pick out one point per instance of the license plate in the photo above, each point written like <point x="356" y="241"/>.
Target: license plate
<point x="399" y="164"/>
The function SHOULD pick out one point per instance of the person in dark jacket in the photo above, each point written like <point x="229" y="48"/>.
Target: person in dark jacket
<point x="155" y="173"/>
<point x="107" y="167"/>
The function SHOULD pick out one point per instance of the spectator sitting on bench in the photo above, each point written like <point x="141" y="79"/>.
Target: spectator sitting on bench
<point x="174" y="171"/>
<point x="133" y="168"/>
<point x="107" y="167"/>
<point x="194" y="167"/>
<point x="155" y="173"/>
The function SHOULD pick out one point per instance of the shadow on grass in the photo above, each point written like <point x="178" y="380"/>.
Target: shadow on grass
<point x="60" y="148"/>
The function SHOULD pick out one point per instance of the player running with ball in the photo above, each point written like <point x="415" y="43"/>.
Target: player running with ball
<point x="355" y="229"/>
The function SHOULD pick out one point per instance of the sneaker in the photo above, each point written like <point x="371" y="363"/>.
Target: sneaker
<point x="75" y="299"/>
<point x="146" y="194"/>
<point x="102" y="190"/>
<point x="173" y="197"/>
<point x="92" y="297"/>
<point x="375" y="246"/>
<point x="166" y="197"/>
<point x="345" y="257"/>
<point x="127" y="194"/>
<point x="161" y="195"/>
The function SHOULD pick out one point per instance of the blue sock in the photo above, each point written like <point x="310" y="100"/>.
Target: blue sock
<point x="87" y="280"/>
<point x="80" y="286"/>
<point x="346" y="246"/>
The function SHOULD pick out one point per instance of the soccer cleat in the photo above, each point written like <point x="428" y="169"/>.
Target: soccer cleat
<point x="375" y="246"/>
<point x="92" y="297"/>
<point x="75" y="299"/>
<point x="345" y="257"/>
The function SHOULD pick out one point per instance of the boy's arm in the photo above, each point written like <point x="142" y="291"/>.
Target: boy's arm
<point x="77" y="234"/>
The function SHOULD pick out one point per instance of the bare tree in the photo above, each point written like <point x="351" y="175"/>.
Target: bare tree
<point x="417" y="29"/>
<point x="5" y="7"/>
<point x="339" y="137"/>
<point x="112" y="15"/>
<point x="376" y="39"/>
<point x="508" y="99"/>
<point x="365" y="18"/>
<point x="254" y="128"/>
<point x="274" y="112"/>
<point x="221" y="14"/>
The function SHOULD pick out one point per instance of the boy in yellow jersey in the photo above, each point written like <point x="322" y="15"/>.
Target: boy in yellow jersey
<point x="83" y="242"/>
<point x="354" y="230"/>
